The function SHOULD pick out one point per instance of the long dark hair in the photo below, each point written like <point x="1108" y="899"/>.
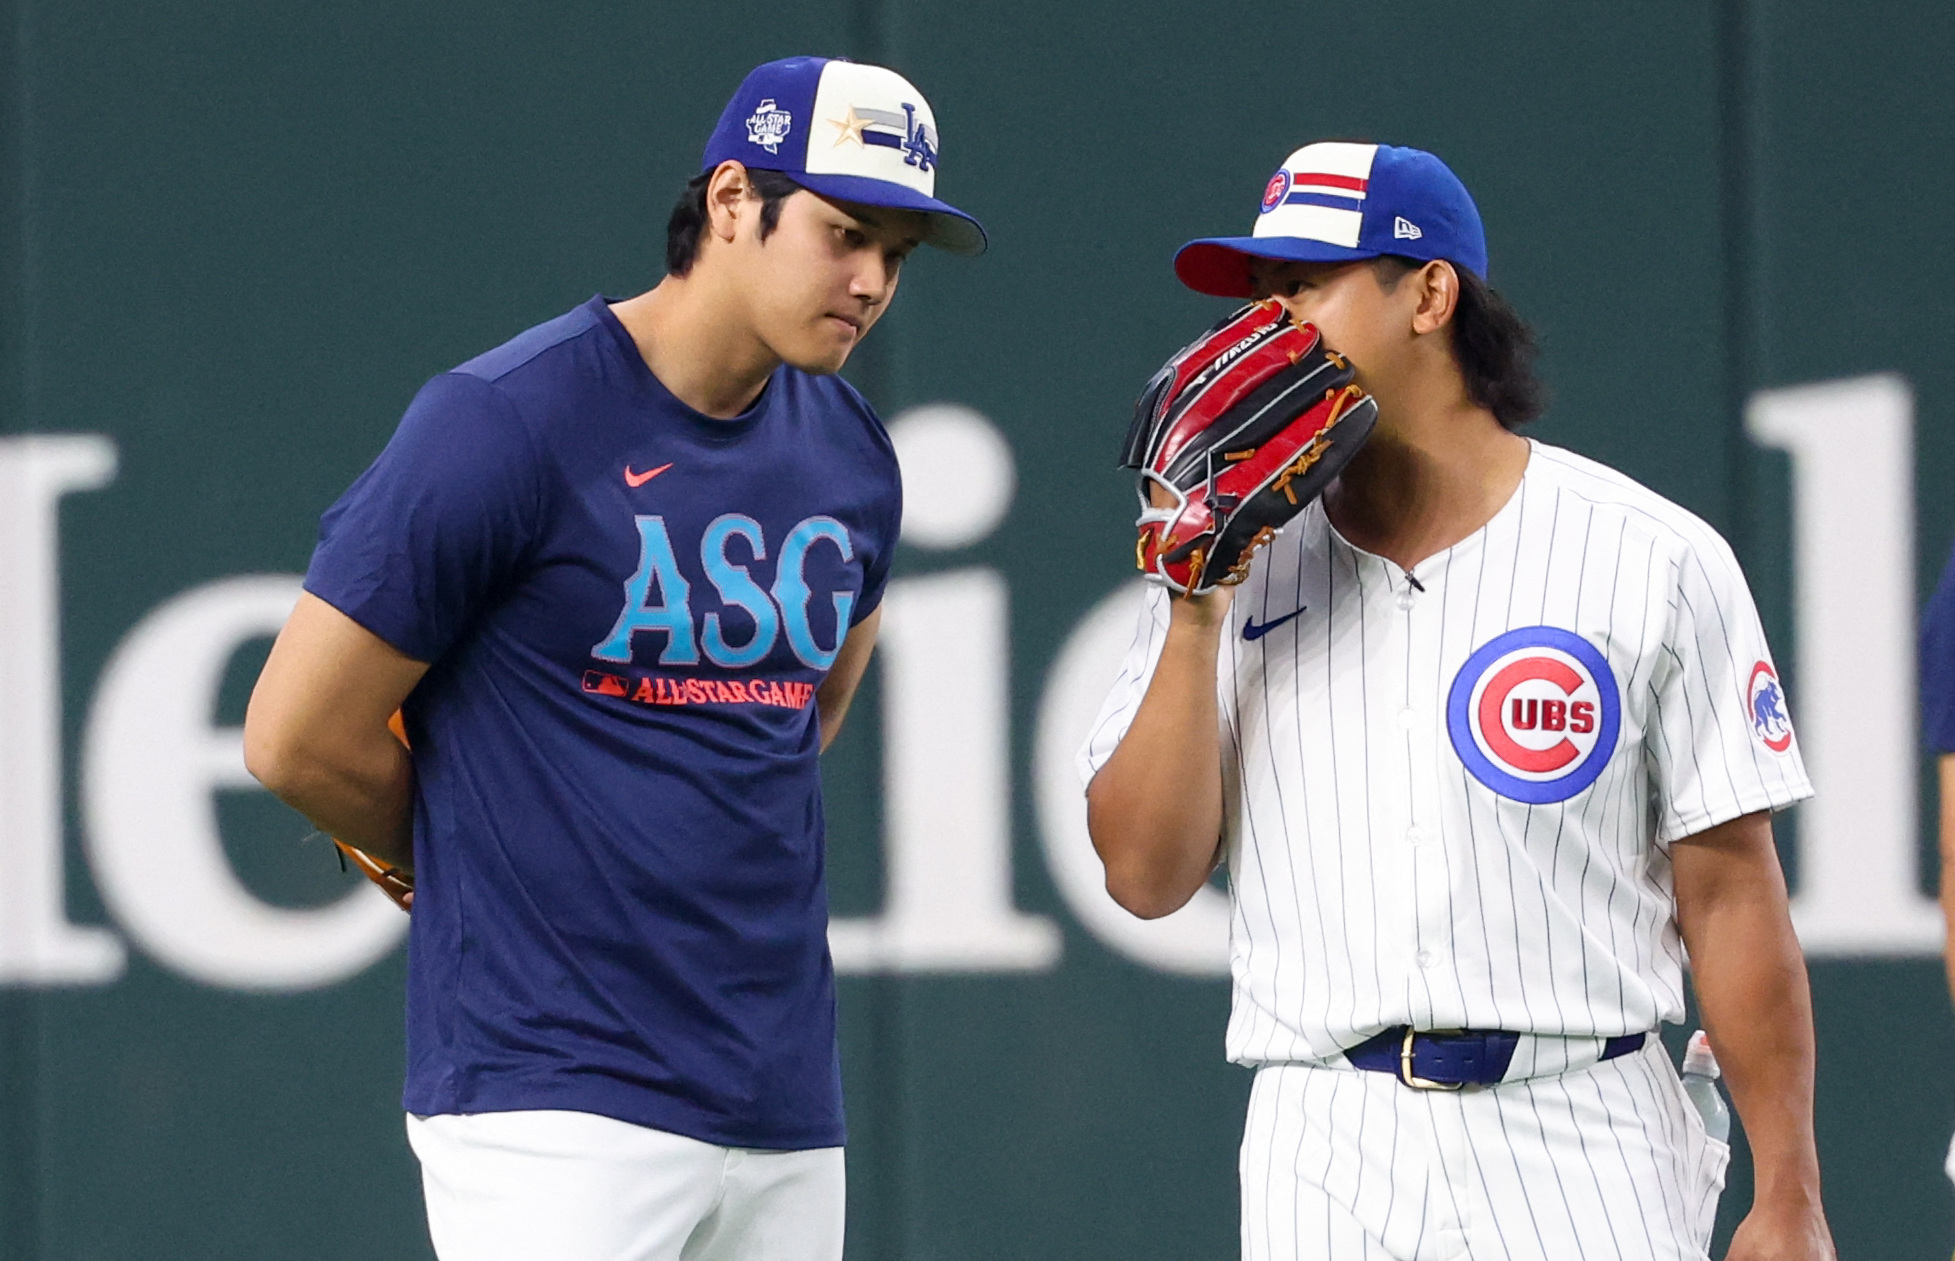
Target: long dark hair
<point x="1494" y="346"/>
<point x="686" y="227"/>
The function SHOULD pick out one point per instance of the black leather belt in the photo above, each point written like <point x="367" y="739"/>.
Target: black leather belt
<point x="1449" y="1061"/>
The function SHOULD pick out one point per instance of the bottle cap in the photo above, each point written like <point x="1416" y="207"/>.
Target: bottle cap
<point x="1697" y="1056"/>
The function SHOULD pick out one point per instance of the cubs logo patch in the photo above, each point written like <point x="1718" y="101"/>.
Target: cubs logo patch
<point x="768" y="126"/>
<point x="1765" y="701"/>
<point x="1276" y="190"/>
<point x="1534" y="714"/>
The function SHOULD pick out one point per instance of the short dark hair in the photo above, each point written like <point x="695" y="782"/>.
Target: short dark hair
<point x="1494" y="347"/>
<point x="687" y="226"/>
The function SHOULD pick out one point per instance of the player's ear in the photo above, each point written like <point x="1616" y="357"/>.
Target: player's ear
<point x="1436" y="288"/>
<point x="726" y="194"/>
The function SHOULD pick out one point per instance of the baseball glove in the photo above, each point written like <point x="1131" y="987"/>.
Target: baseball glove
<point x="395" y="883"/>
<point x="1241" y="430"/>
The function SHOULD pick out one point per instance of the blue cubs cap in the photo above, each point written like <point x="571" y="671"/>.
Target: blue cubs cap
<point x="844" y="130"/>
<point x="1336" y="202"/>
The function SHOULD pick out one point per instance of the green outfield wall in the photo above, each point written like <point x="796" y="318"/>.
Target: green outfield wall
<point x="236" y="236"/>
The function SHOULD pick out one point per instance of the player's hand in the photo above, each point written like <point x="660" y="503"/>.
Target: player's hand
<point x="1791" y="1234"/>
<point x="1242" y="429"/>
<point x="1202" y="612"/>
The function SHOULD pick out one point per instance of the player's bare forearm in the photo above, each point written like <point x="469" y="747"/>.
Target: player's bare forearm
<point x="1155" y="809"/>
<point x="1750" y="978"/>
<point x="1947" y="780"/>
<point x="837" y="691"/>
<point x="316" y="733"/>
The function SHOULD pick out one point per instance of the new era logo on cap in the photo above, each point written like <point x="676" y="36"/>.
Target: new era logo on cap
<point x="847" y="131"/>
<point x="1338" y="201"/>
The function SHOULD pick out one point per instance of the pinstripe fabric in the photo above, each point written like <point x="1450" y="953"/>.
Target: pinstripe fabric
<point x="1376" y="880"/>
<point x="1385" y="873"/>
<point x="1609" y="1161"/>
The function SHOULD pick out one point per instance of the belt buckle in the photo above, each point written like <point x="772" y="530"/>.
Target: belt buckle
<point x="1416" y="1082"/>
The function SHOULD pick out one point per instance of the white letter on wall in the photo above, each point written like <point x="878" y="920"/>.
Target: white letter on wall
<point x="38" y="946"/>
<point x="1195" y="939"/>
<point x="946" y="687"/>
<point x="151" y="763"/>
<point x="1852" y="448"/>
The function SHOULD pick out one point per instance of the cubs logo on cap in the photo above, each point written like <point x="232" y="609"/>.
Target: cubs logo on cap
<point x="1765" y="702"/>
<point x="1338" y="202"/>
<point x="1534" y="713"/>
<point x="1275" y="191"/>
<point x="847" y="131"/>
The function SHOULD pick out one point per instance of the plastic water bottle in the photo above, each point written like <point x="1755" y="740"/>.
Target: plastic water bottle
<point x="1700" y="1074"/>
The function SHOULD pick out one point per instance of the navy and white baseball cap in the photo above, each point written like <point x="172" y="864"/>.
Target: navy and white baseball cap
<point x="1336" y="202"/>
<point x="844" y="130"/>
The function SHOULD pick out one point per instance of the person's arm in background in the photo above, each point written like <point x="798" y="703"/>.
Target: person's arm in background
<point x="1946" y="767"/>
<point x="1938" y="731"/>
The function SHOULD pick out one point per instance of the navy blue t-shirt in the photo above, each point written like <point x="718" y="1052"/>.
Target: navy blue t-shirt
<point x="620" y="901"/>
<point x="1938" y="665"/>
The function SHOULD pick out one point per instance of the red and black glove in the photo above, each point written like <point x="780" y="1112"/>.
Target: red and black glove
<point x="1233" y="438"/>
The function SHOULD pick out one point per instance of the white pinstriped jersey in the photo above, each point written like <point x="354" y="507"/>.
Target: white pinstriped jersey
<point x="1449" y="795"/>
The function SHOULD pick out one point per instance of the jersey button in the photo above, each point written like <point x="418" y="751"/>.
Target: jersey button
<point x="1405" y="600"/>
<point x="1427" y="958"/>
<point x="1415" y="834"/>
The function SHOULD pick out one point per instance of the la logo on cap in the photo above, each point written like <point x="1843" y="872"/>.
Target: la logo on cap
<point x="873" y="124"/>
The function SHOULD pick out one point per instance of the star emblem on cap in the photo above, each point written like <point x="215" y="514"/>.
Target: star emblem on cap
<point x="850" y="127"/>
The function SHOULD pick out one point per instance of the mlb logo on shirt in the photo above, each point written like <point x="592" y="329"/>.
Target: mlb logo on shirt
<point x="1534" y="713"/>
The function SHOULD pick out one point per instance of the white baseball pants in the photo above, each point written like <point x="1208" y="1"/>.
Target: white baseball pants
<point x="1609" y="1161"/>
<point x="571" y="1186"/>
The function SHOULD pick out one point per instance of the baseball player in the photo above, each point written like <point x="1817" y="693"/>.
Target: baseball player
<point x="1487" y="737"/>
<point x="1938" y="729"/>
<point x="621" y="576"/>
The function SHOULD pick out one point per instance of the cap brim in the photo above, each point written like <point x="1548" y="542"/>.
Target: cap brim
<point x="949" y="228"/>
<point x="1219" y="265"/>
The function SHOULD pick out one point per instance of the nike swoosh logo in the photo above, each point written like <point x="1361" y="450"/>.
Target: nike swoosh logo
<point x="1253" y="632"/>
<point x="635" y="480"/>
